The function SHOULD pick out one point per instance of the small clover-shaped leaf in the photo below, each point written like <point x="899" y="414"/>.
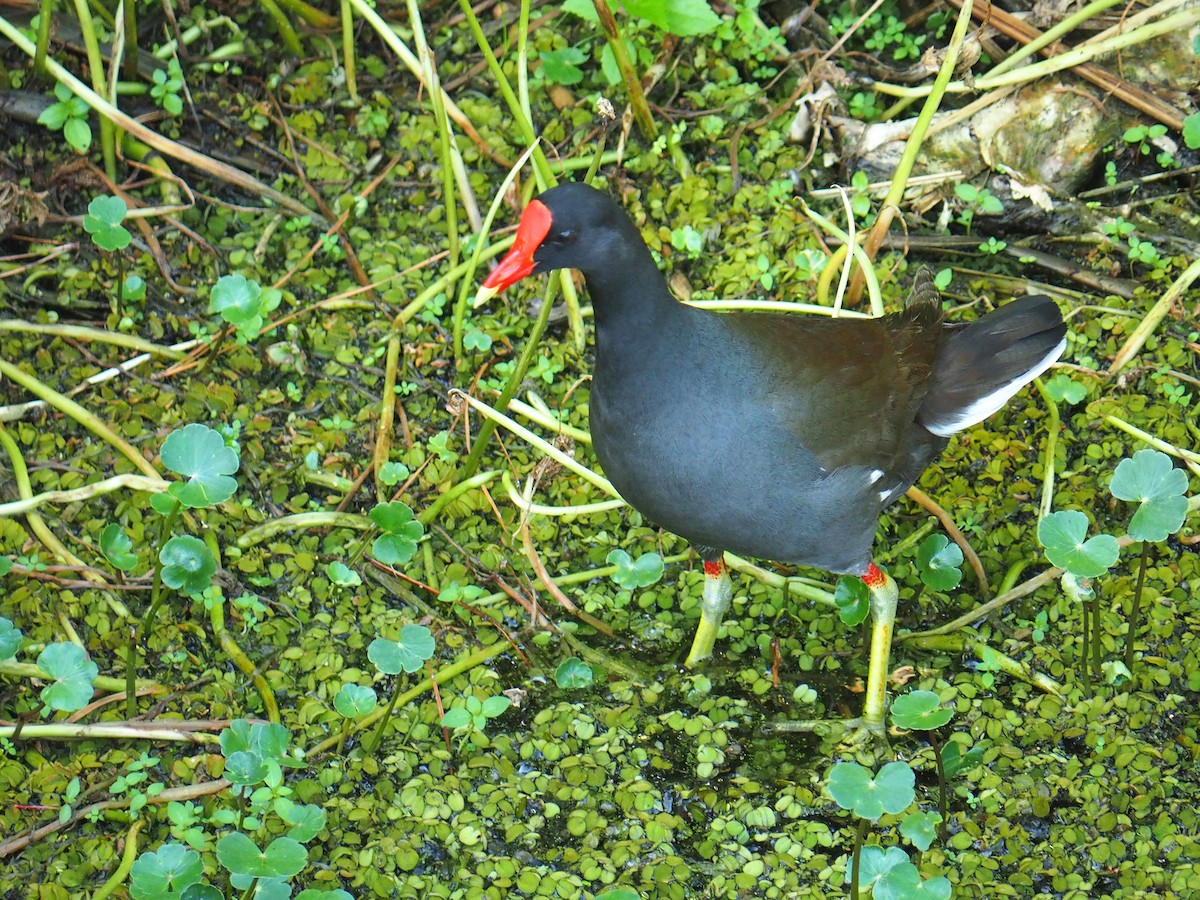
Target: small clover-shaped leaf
<point x="282" y="858"/>
<point x="475" y="339"/>
<point x="115" y="545"/>
<point x="103" y="222"/>
<point x="853" y="599"/>
<point x="870" y="796"/>
<point x="305" y="819"/>
<point x="920" y="828"/>
<point x="247" y="767"/>
<point x="1064" y="388"/>
<point x="920" y="711"/>
<point x="392" y="473"/>
<point x="1063" y="535"/>
<point x="354" y="700"/>
<point x="401" y="532"/>
<point x="1150" y="479"/>
<point x="236" y="298"/>
<point x="938" y="561"/>
<point x="187" y="564"/>
<point x="406" y="654"/>
<point x="6" y="565"/>
<point x="73" y="675"/>
<point x="630" y="574"/>
<point x="10" y="639"/>
<point x="200" y="455"/>
<point x="573" y="673"/>
<point x="169" y="871"/>
<point x="342" y="575"/>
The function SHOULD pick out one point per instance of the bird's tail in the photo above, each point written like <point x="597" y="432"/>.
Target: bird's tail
<point x="985" y="363"/>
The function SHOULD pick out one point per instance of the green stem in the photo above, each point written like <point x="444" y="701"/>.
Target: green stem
<point x="129" y="855"/>
<point x="895" y="194"/>
<point x="283" y="25"/>
<point x="1048" y="37"/>
<point x="302" y="521"/>
<point x="545" y="177"/>
<point x="1052" y="428"/>
<point x="445" y="146"/>
<point x="431" y="512"/>
<point x="494" y="417"/>
<point x="91" y="45"/>
<point x="84" y="333"/>
<point x="1181" y="21"/>
<point x="633" y="83"/>
<point x="943" y="799"/>
<point x="73" y="410"/>
<point x="860" y="834"/>
<point x="349" y="65"/>
<point x="528" y="352"/>
<point x="129" y="21"/>
<point x="138" y="630"/>
<point x="45" y="16"/>
<point x="243" y="662"/>
<point x="387" y="412"/>
<point x="1135" y="608"/>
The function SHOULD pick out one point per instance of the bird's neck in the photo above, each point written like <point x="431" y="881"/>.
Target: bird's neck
<point x="631" y="294"/>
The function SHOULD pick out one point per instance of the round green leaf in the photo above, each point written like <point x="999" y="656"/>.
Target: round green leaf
<point x="283" y="857"/>
<point x="200" y="455"/>
<point x="870" y="796"/>
<point x="630" y="574"/>
<point x="1151" y="479"/>
<point x="187" y="564"/>
<point x="354" y="700"/>
<point x="115" y="545"/>
<point x="938" y="562"/>
<point x="920" y="711"/>
<point x="72" y="675"/>
<point x="406" y="654"/>
<point x="401" y="532"/>
<point x="495" y="706"/>
<point x="573" y="673"/>
<point x="853" y="600"/>
<point x="1063" y="534"/>
<point x="341" y="574"/>
<point x="169" y="870"/>
<point x="875" y="863"/>
<point x="10" y="639"/>
<point x="920" y="828"/>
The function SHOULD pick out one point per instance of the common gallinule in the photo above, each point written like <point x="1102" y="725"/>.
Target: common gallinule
<point x="771" y="436"/>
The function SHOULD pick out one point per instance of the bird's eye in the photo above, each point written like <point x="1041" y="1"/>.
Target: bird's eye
<point x="566" y="236"/>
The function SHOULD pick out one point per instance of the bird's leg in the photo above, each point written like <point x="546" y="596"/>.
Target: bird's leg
<point x="718" y="591"/>
<point x="884" y="594"/>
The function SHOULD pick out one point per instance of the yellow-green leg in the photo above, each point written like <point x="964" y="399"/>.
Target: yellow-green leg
<point x="858" y="734"/>
<point x="884" y="595"/>
<point x="718" y="591"/>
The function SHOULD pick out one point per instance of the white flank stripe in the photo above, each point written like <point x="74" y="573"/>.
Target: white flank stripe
<point x="990" y="403"/>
